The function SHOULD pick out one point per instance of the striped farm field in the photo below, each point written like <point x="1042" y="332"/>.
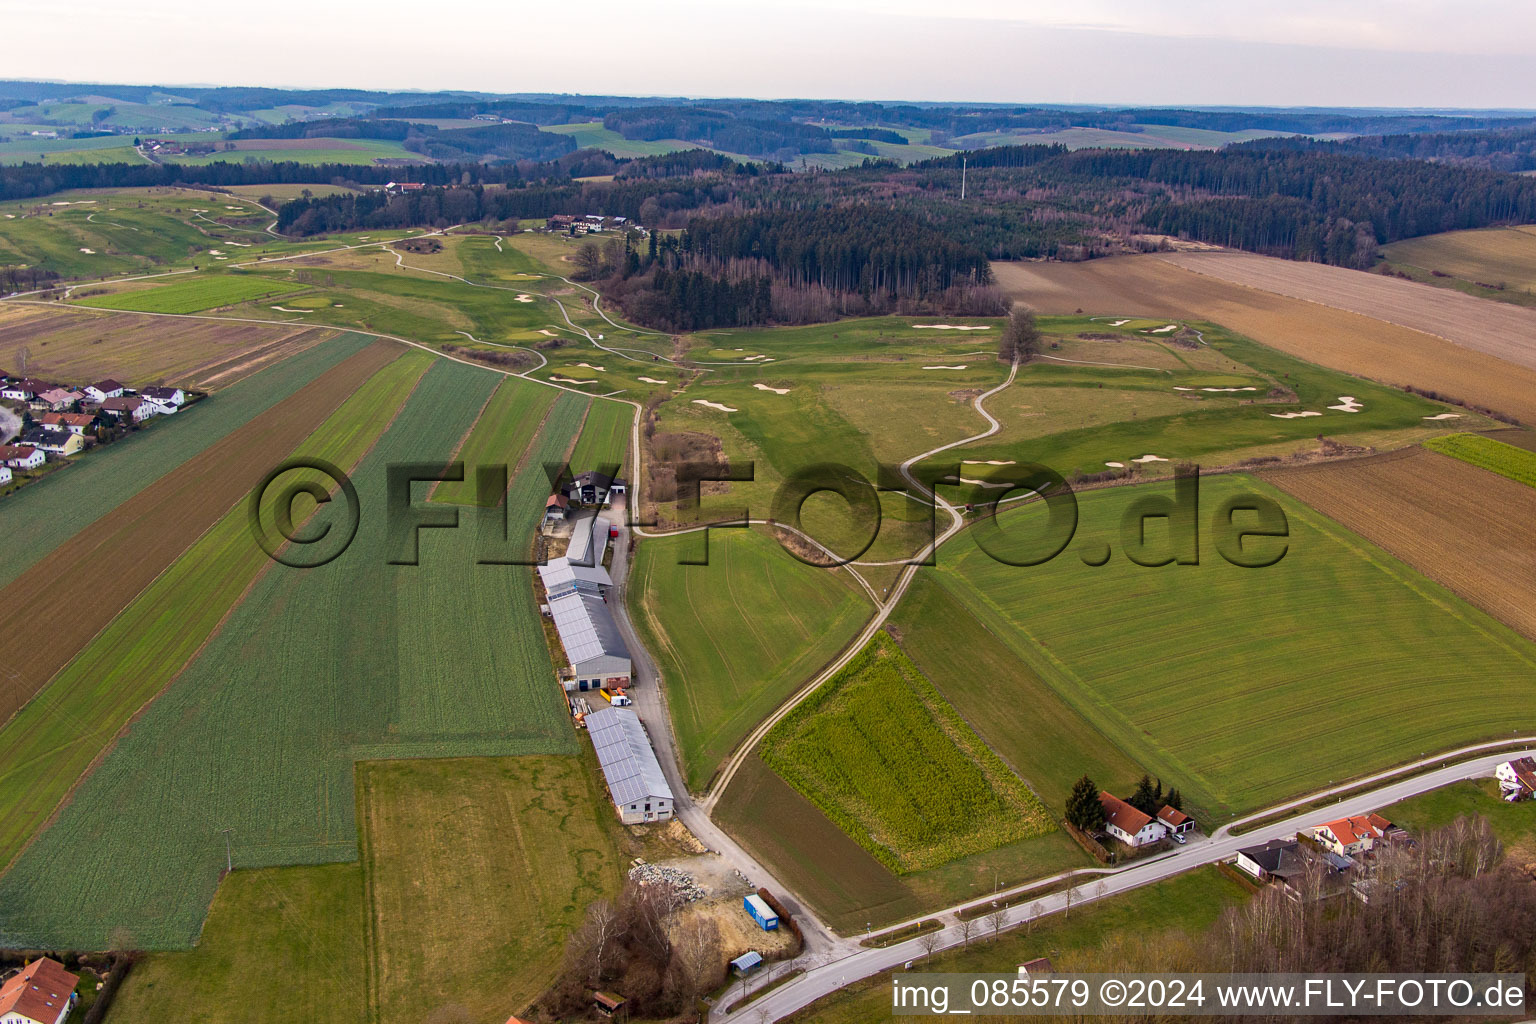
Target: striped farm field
<point x="315" y="669"/>
<point x="510" y="417"/>
<point x="604" y="437"/>
<point x="1518" y="464"/>
<point x="1243" y="686"/>
<point x="55" y="738"/>
<point x="194" y="294"/>
<point x="887" y="759"/>
<point x="734" y="638"/>
<point x="43" y="515"/>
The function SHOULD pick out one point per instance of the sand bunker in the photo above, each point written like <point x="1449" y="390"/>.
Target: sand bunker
<point x="1117" y="323"/>
<point x="755" y="359"/>
<point x="651" y="380"/>
<point x="549" y="334"/>
<point x="1115" y="465"/>
<point x="571" y="380"/>
<point x="523" y="298"/>
<point x="988" y="462"/>
<point x="713" y="405"/>
<point x="946" y="327"/>
<point x="1348" y="403"/>
<point x="1150" y="458"/>
<point x="960" y="367"/>
<point x="777" y="391"/>
<point x="215" y="252"/>
<point x="590" y="366"/>
<point x="986" y="483"/>
<point x="235" y="208"/>
<point x="1445" y="416"/>
<point x="1293" y="415"/>
<point x="91" y="252"/>
<point x="1164" y="330"/>
<point x="239" y="245"/>
<point x="1217" y="389"/>
<point x="285" y="309"/>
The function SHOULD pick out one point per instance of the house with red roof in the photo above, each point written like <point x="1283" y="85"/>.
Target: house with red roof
<point x="40" y="993"/>
<point x="1127" y="824"/>
<point x="1358" y="833"/>
<point x="1517" y="779"/>
<point x="1175" y="820"/>
<point x="20" y="456"/>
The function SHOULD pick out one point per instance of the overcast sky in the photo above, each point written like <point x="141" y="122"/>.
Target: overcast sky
<point x="1435" y="53"/>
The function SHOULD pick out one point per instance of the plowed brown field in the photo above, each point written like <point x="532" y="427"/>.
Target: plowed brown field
<point x="1462" y="526"/>
<point x="1331" y="337"/>
<point x="72" y="594"/>
<point x="78" y="347"/>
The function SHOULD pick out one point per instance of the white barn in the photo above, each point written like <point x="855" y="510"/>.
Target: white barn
<point x="635" y="781"/>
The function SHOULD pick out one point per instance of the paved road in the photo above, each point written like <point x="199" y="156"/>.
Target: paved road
<point x="829" y="977"/>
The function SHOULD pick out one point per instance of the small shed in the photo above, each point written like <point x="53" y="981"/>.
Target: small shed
<point x="607" y="1003"/>
<point x="761" y="912"/>
<point x="747" y="963"/>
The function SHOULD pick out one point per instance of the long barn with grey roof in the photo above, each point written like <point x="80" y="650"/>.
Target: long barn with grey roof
<point x="635" y="781"/>
<point x="576" y="596"/>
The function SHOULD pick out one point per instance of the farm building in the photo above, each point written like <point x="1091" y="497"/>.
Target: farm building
<point x="40" y="993"/>
<point x="594" y="488"/>
<point x="1517" y="779"/>
<point x="635" y="782"/>
<point x="556" y="508"/>
<point x="402" y="187"/>
<point x="761" y="912"/>
<point x="1129" y="825"/>
<point x="1357" y="834"/>
<point x="1278" y="858"/>
<point x="589" y="541"/>
<point x="576" y="587"/>
<point x="21" y="456"/>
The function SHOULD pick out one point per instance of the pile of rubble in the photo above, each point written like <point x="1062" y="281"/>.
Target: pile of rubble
<point x="683" y="885"/>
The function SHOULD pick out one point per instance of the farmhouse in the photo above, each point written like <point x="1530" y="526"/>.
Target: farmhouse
<point x="40" y="993"/>
<point x="103" y="390"/>
<point x="1129" y="825"/>
<point x="21" y="456"/>
<point x="135" y="408"/>
<point x="54" y="442"/>
<point x="401" y="187"/>
<point x="635" y="781"/>
<point x="1349" y="836"/>
<point x="1278" y="858"/>
<point x="560" y="222"/>
<point x="593" y="488"/>
<point x="1517" y="779"/>
<point x="74" y="422"/>
<point x="164" y="396"/>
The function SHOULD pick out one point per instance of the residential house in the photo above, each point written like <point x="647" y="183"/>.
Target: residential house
<point x="21" y="456"/>
<point x="164" y="396"/>
<point x="401" y="187"/>
<point x="1517" y="779"/>
<point x="594" y="488"/>
<point x="5" y="475"/>
<point x="74" y="422"/>
<point x="1175" y="820"/>
<point x="1129" y="825"/>
<point x="54" y="442"/>
<point x="1039" y="965"/>
<point x="17" y="391"/>
<point x="40" y="993"/>
<point x="133" y="407"/>
<point x="635" y="781"/>
<point x="1278" y="858"/>
<point x="560" y="222"/>
<point x="103" y="390"/>
<point x="1356" y="834"/>
<point x="58" y="399"/>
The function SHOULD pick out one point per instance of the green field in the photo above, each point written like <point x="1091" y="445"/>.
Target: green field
<point x="604" y="437"/>
<point x="477" y="870"/>
<point x="1495" y="263"/>
<point x="592" y="134"/>
<point x="317" y="150"/>
<point x="500" y="436"/>
<point x="302" y="925"/>
<point x="313" y="670"/>
<point x="195" y="295"/>
<point x="882" y="754"/>
<point x="42" y="516"/>
<point x="1039" y="735"/>
<point x="1488" y="453"/>
<point x="1168" y="912"/>
<point x="1244" y="686"/>
<point x="55" y="738"/>
<point x="734" y="638"/>
<point x="1513" y="823"/>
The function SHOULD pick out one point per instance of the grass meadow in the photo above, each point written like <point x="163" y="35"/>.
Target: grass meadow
<point x="314" y="669"/>
<point x="882" y="754"/>
<point x="194" y="295"/>
<point x="1488" y="453"/>
<point x="1243" y="686"/>
<point x="732" y="639"/>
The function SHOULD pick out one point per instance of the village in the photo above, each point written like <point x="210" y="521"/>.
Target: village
<point x="43" y="423"/>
